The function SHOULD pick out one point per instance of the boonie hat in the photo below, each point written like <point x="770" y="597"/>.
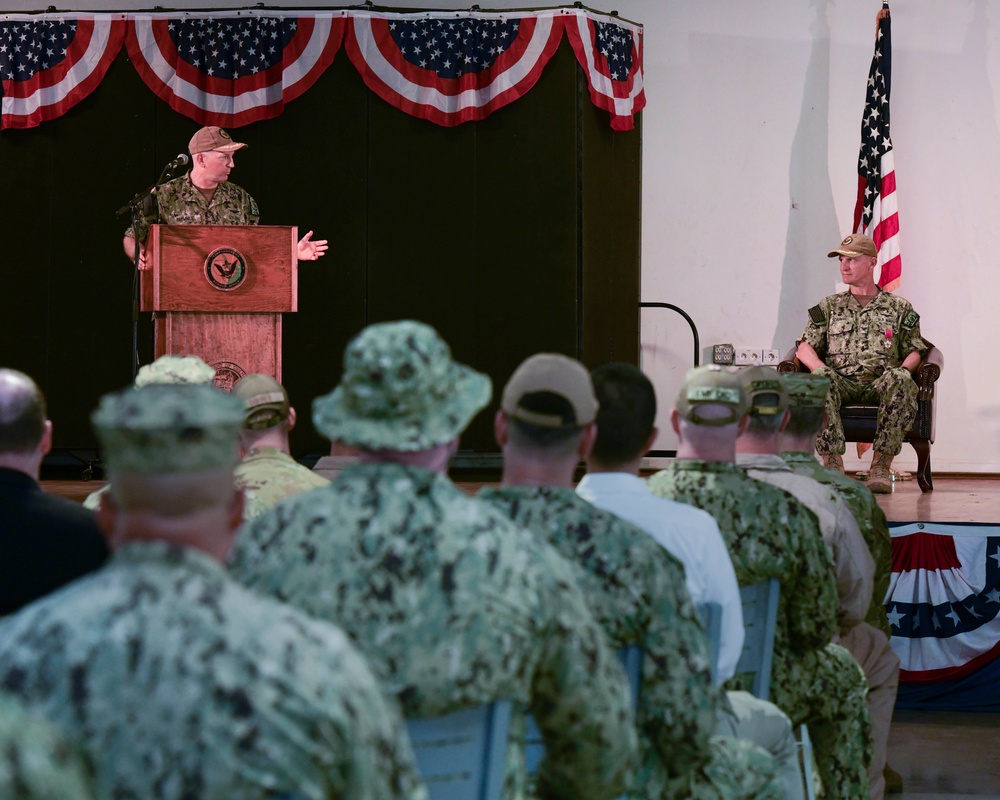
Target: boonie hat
<point x="857" y="244"/>
<point x="524" y="396"/>
<point x="765" y="391"/>
<point x="805" y="390"/>
<point x="712" y="385"/>
<point x="400" y="390"/>
<point x="175" y="369"/>
<point x="266" y="401"/>
<point x="213" y="137"/>
<point x="168" y="428"/>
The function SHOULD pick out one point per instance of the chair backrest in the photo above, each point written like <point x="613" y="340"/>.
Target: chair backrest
<point x="534" y="745"/>
<point x="462" y="755"/>
<point x="711" y="620"/>
<point x="760" y="620"/>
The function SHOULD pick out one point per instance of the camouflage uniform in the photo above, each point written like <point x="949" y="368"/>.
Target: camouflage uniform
<point x="454" y="606"/>
<point x="871" y="521"/>
<point x="179" y="202"/>
<point x="636" y="591"/>
<point x="180" y="683"/>
<point x="35" y="761"/>
<point x="770" y="535"/>
<point x="863" y="348"/>
<point x="268" y="475"/>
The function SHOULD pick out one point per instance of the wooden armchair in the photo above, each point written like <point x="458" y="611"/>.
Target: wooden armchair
<point x="859" y="420"/>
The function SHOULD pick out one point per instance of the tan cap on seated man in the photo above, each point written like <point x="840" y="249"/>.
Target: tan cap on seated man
<point x="267" y="473"/>
<point x="174" y="680"/>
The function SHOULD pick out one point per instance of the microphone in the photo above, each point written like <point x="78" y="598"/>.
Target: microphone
<point x="180" y="161"/>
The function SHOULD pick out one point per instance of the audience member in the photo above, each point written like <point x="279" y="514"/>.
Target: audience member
<point x="45" y="541"/>
<point x="454" y="605"/>
<point x="176" y="681"/>
<point x="625" y="431"/>
<point x="267" y="472"/>
<point x="634" y="587"/>
<point x="769" y="534"/>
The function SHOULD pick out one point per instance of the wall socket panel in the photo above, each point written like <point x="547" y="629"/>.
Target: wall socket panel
<point x="748" y="356"/>
<point x="770" y="357"/>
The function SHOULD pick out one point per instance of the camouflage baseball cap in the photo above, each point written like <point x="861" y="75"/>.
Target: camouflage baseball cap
<point x="528" y="395"/>
<point x="400" y="390"/>
<point x="265" y="399"/>
<point x="765" y="391"/>
<point x="712" y="385"/>
<point x="805" y="390"/>
<point x="168" y="428"/>
<point x="175" y="369"/>
<point x="857" y="244"/>
<point x="213" y="137"/>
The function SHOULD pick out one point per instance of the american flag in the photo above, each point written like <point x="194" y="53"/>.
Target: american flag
<point x="875" y="212"/>
<point x="48" y="63"/>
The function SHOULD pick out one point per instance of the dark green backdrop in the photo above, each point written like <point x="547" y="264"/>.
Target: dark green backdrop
<point x="511" y="236"/>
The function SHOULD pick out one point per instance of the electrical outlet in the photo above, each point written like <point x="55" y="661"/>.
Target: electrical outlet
<point x="747" y="356"/>
<point x="770" y="358"/>
<point x="723" y="354"/>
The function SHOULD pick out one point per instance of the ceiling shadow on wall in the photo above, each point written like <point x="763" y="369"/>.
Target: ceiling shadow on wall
<point x="806" y="276"/>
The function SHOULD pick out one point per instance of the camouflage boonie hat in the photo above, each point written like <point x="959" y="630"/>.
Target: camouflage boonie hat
<point x="806" y="390"/>
<point x="856" y="244"/>
<point x="265" y="400"/>
<point x="400" y="390"/>
<point x="161" y="429"/>
<point x="175" y="369"/>
<point x="550" y="374"/>
<point x="213" y="137"/>
<point x="765" y="391"/>
<point x="712" y="385"/>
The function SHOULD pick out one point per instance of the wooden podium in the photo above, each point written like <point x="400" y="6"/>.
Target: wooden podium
<point x="218" y="292"/>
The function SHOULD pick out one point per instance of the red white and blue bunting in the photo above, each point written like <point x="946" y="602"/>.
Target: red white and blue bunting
<point x="232" y="68"/>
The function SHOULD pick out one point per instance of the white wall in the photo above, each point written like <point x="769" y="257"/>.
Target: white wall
<point x="750" y="145"/>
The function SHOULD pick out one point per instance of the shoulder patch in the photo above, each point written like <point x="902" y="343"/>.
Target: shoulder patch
<point x="816" y="315"/>
<point x="253" y="207"/>
<point x="911" y="319"/>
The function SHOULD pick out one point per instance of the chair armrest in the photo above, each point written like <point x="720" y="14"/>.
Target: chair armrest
<point x="927" y="373"/>
<point x="790" y="363"/>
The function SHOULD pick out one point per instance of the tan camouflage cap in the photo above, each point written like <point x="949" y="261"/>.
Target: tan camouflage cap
<point x="553" y="374"/>
<point x="805" y="390"/>
<point x="765" y="391"/>
<point x="856" y="244"/>
<point x="712" y="385"/>
<point x="213" y="137"/>
<point x="168" y="428"/>
<point x="265" y="399"/>
<point x="400" y="390"/>
<point x="175" y="369"/>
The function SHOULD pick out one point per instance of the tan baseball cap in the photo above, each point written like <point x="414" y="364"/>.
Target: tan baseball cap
<point x="857" y="244"/>
<point x="553" y="374"/>
<point x="712" y="385"/>
<point x="213" y="137"/>
<point x="765" y="391"/>
<point x="266" y="401"/>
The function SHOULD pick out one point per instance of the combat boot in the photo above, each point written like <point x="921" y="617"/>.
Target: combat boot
<point x="880" y="476"/>
<point x="834" y="461"/>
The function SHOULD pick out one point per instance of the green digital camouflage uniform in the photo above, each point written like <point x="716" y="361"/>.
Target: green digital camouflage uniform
<point x="454" y="606"/>
<point x="179" y="202"/>
<point x="770" y="535"/>
<point x="178" y="683"/>
<point x="636" y="590"/>
<point x="268" y="475"/>
<point x="862" y="348"/>
<point x="871" y="521"/>
<point x="36" y="763"/>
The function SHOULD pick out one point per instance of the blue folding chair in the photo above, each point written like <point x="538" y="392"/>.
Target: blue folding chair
<point x="711" y="621"/>
<point x="461" y="756"/>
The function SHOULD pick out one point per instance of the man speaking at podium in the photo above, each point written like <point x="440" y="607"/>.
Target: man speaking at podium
<point x="204" y="196"/>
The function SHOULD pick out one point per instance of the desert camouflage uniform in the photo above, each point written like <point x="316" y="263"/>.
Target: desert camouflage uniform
<point x="178" y="683"/>
<point x="863" y="348"/>
<point x="180" y="203"/>
<point x="454" y="606"/>
<point x="636" y="590"/>
<point x="36" y="763"/>
<point x="268" y="475"/>
<point x="871" y="520"/>
<point x="769" y="534"/>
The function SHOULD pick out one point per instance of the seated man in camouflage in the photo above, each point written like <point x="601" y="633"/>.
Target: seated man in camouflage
<point x="634" y="587"/>
<point x="770" y="534"/>
<point x="454" y="605"/>
<point x="868" y="343"/>
<point x="267" y="473"/>
<point x="174" y="680"/>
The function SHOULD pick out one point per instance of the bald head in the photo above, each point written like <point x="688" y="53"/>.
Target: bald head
<point x="22" y="413"/>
